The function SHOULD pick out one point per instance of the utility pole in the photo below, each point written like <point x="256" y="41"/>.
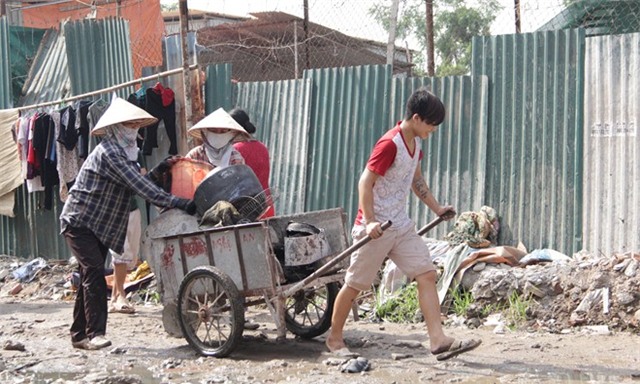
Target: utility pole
<point x="393" y="23"/>
<point x="3" y="8"/>
<point x="517" y="9"/>
<point x="431" y="62"/>
<point x="185" y="113"/>
<point x="305" y="28"/>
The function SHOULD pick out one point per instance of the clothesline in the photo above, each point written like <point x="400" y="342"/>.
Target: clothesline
<point x="106" y="90"/>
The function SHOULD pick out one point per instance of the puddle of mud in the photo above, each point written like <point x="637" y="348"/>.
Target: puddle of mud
<point x="476" y="373"/>
<point x="549" y="373"/>
<point x="143" y="374"/>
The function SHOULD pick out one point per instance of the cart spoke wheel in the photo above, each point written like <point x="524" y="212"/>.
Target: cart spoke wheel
<point x="308" y="311"/>
<point x="211" y="311"/>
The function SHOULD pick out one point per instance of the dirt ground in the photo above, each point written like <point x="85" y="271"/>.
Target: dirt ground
<point x="398" y="353"/>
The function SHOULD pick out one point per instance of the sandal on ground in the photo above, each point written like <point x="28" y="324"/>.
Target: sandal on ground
<point x="344" y="352"/>
<point x="121" y="307"/>
<point x="458" y="347"/>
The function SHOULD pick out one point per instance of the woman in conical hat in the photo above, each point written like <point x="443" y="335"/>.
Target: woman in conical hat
<point x="217" y="132"/>
<point x="93" y="219"/>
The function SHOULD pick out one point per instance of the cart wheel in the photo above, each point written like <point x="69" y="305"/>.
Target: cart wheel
<point x="210" y="311"/>
<point x="308" y="311"/>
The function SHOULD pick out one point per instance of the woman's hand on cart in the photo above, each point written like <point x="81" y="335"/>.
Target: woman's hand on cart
<point x="188" y="206"/>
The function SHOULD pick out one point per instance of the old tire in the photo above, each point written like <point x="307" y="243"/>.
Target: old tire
<point x="308" y="311"/>
<point x="211" y="311"/>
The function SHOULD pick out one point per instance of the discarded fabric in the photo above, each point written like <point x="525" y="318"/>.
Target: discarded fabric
<point x="359" y="364"/>
<point x="27" y="272"/>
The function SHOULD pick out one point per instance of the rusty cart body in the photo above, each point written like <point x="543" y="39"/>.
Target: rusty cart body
<point x="207" y="276"/>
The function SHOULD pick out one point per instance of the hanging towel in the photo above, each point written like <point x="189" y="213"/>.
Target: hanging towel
<point x="11" y="175"/>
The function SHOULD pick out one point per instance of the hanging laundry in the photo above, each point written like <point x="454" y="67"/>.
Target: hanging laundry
<point x="96" y="110"/>
<point x="139" y="99"/>
<point x="43" y="137"/>
<point x="68" y="134"/>
<point x="161" y="104"/>
<point x="34" y="181"/>
<point x="68" y="162"/>
<point x="11" y="176"/>
<point x="82" y="126"/>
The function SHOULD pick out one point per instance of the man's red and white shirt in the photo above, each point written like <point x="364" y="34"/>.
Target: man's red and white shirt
<point x="395" y="165"/>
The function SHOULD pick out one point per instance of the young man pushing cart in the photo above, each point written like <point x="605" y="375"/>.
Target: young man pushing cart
<point x="393" y="169"/>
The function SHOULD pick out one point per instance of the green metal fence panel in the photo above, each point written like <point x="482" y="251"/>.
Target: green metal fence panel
<point x="5" y="65"/>
<point x="48" y="77"/>
<point x="281" y="112"/>
<point x="218" y="90"/>
<point x="455" y="155"/>
<point x="612" y="145"/>
<point x="350" y="109"/>
<point x="534" y="146"/>
<point x="24" y="43"/>
<point x="99" y="55"/>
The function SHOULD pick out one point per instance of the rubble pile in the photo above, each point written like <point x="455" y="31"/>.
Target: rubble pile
<point x="36" y="279"/>
<point x="584" y="291"/>
<point x="587" y="290"/>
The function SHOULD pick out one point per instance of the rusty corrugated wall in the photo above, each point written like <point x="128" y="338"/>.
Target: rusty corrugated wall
<point x="5" y="62"/>
<point x="534" y="146"/>
<point x="280" y="110"/>
<point x="612" y="146"/>
<point x="455" y="156"/>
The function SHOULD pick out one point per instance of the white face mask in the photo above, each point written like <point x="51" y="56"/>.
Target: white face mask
<point x="218" y="140"/>
<point x="132" y="153"/>
<point x="126" y="138"/>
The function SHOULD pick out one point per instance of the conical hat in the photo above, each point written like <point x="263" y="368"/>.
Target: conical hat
<point x="125" y="113"/>
<point x="216" y="119"/>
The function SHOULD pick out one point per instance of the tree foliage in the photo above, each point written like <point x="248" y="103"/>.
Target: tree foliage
<point x="455" y="23"/>
<point x="168" y="6"/>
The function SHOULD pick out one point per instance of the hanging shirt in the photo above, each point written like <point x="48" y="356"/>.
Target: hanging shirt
<point x="67" y="134"/>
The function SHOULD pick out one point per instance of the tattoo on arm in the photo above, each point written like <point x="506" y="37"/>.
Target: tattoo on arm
<point x="421" y="188"/>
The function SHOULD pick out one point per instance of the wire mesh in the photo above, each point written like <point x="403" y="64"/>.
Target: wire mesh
<point x="270" y="40"/>
<point x="146" y="25"/>
<point x="275" y="42"/>
<point x="252" y="208"/>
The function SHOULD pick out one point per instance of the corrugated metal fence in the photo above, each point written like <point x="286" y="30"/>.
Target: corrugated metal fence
<point x="534" y="147"/>
<point x="513" y="138"/>
<point x="612" y="147"/>
<point x="281" y="112"/>
<point x="350" y="111"/>
<point x="98" y="55"/>
<point x="320" y="132"/>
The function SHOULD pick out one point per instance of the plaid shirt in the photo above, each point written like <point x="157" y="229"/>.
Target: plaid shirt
<point x="198" y="153"/>
<point x="99" y="199"/>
